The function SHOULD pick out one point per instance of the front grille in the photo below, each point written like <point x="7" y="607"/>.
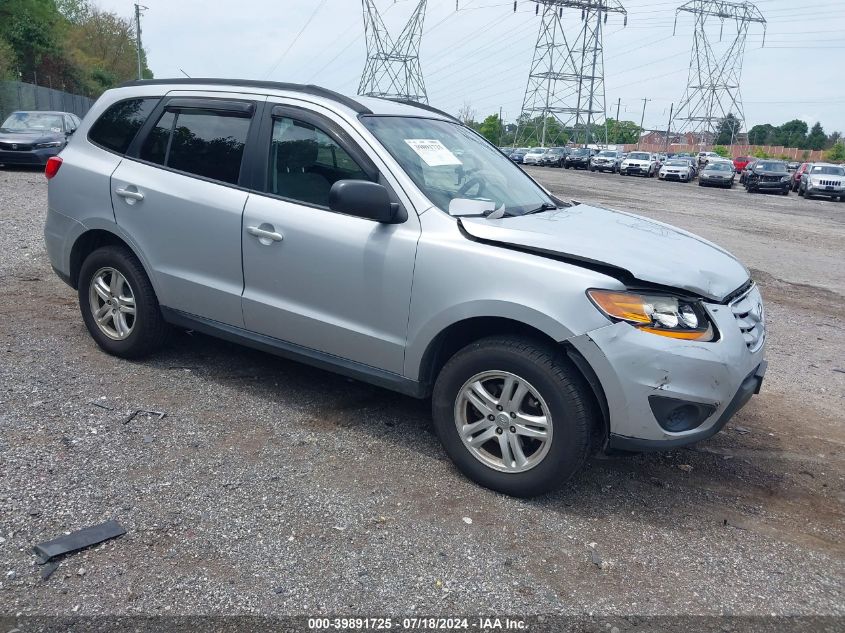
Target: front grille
<point x="770" y="179"/>
<point x="830" y="183"/>
<point x="750" y="317"/>
<point x="16" y="147"/>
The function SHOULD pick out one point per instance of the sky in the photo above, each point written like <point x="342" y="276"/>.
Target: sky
<point x="481" y="54"/>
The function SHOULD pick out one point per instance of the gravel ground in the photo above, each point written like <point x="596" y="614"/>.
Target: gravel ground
<point x="274" y="488"/>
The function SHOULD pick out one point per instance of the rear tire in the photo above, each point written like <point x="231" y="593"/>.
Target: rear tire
<point x="113" y="285"/>
<point x="552" y="390"/>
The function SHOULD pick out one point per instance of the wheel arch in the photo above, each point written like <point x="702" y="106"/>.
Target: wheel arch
<point x="91" y="240"/>
<point x="466" y="331"/>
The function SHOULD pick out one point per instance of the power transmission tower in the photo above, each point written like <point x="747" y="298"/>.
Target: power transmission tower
<point x="393" y="66"/>
<point x="564" y="96"/>
<point x="713" y="87"/>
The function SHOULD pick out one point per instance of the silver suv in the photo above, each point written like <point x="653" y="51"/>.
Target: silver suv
<point x="388" y="242"/>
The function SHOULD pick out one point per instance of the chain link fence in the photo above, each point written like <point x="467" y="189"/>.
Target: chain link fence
<point x="17" y="95"/>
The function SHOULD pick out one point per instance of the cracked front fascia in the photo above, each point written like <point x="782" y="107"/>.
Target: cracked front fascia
<point x="632" y="365"/>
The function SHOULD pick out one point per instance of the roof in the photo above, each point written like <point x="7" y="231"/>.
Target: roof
<point x="41" y="112"/>
<point x="360" y="105"/>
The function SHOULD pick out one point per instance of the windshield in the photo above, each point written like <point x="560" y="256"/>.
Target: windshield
<point x="537" y="150"/>
<point x="770" y="166"/>
<point x="638" y="156"/>
<point x="447" y="161"/>
<point x="677" y="163"/>
<point x="33" y="122"/>
<point x="720" y="167"/>
<point x="607" y="153"/>
<point x="581" y="151"/>
<point x="830" y="170"/>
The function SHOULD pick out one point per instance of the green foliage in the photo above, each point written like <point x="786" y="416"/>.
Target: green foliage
<point x="761" y="134"/>
<point x="7" y="60"/>
<point x="722" y="151"/>
<point x="836" y="154"/>
<point x="816" y="138"/>
<point x="759" y="153"/>
<point x="491" y="129"/>
<point x="728" y="129"/>
<point x="619" y="132"/>
<point x="791" y="134"/>
<point x="68" y="44"/>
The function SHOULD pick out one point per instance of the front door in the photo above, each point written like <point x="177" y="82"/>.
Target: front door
<point x="322" y="280"/>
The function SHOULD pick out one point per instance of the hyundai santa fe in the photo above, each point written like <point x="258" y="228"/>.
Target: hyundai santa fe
<point x="388" y="242"/>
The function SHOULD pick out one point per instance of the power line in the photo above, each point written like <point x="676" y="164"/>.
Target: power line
<point x="295" y="39"/>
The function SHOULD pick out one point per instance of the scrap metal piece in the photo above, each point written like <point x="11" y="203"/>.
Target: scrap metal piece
<point x="160" y="414"/>
<point x="78" y="540"/>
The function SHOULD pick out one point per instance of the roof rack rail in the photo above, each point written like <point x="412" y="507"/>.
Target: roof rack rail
<point x="310" y="89"/>
<point x="423" y="106"/>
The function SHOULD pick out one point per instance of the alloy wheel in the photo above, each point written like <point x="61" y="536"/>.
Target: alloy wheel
<point x="503" y="421"/>
<point x="112" y="303"/>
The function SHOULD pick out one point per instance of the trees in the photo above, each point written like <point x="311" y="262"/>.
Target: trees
<point x="791" y="134"/>
<point x="68" y="44"/>
<point x="727" y="130"/>
<point x="620" y="132"/>
<point x="761" y="134"/>
<point x="816" y="138"/>
<point x="836" y="154"/>
<point x="491" y="129"/>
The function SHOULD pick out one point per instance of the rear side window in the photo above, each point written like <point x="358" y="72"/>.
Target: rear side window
<point x="119" y="124"/>
<point x="205" y="143"/>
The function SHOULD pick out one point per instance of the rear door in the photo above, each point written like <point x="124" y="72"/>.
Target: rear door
<point x="180" y="197"/>
<point x="325" y="281"/>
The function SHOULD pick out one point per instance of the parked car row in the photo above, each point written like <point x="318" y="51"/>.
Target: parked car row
<point x="709" y="168"/>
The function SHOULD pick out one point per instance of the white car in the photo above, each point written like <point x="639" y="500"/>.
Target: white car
<point x="640" y="163"/>
<point x="676" y="169"/>
<point x="533" y="156"/>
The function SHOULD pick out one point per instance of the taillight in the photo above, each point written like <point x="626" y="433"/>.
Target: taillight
<point x="52" y="167"/>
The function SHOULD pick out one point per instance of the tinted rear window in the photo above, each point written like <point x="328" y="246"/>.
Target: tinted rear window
<point x="118" y="125"/>
<point x="205" y="143"/>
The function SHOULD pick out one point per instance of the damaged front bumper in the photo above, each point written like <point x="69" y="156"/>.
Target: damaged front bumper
<point x="662" y="392"/>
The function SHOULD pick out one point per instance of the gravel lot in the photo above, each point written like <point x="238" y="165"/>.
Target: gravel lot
<point x="274" y="488"/>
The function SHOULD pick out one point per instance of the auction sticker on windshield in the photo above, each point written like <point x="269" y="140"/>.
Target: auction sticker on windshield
<point x="433" y="152"/>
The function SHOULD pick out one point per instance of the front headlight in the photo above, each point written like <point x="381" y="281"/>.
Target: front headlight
<point x="50" y="144"/>
<point x="786" y="178"/>
<point x="665" y="315"/>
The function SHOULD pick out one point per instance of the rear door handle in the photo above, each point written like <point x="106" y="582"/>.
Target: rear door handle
<point x="264" y="234"/>
<point x="132" y="195"/>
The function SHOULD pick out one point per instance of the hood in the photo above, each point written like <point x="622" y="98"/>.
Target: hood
<point x="30" y="138"/>
<point x="646" y="250"/>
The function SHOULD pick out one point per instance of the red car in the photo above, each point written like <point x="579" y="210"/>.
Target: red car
<point x="796" y="177"/>
<point x="740" y="163"/>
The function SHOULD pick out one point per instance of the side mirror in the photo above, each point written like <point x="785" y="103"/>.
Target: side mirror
<point x="70" y="131"/>
<point x="364" y="199"/>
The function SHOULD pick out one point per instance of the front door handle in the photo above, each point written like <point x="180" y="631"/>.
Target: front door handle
<point x="265" y="236"/>
<point x="131" y="195"/>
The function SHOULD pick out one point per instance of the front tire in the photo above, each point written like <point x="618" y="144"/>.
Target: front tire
<point x="514" y="415"/>
<point x="118" y="303"/>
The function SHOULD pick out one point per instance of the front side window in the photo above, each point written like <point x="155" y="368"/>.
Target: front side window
<point x="305" y="162"/>
<point x="119" y="124"/>
<point x="202" y="142"/>
<point x="449" y="162"/>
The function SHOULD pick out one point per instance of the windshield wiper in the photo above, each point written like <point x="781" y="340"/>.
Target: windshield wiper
<point x="546" y="206"/>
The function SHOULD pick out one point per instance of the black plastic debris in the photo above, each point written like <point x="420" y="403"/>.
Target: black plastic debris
<point x="78" y="540"/>
<point x="48" y="569"/>
<point x="159" y="415"/>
